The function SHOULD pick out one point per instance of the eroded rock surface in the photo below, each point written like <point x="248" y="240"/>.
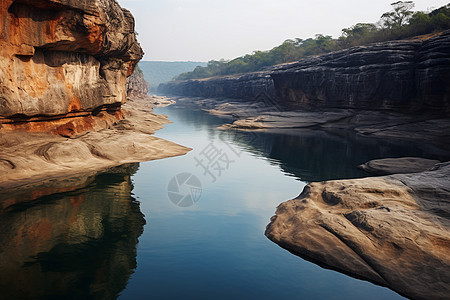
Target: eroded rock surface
<point x="62" y="62"/>
<point x="407" y="75"/>
<point x="393" y="230"/>
<point x="28" y="158"/>
<point x="136" y="84"/>
<point x="247" y="87"/>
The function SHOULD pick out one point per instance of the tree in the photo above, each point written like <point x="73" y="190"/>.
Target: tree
<point x="399" y="15"/>
<point x="359" y="30"/>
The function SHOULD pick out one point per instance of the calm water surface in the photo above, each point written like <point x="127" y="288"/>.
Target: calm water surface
<point x="122" y="237"/>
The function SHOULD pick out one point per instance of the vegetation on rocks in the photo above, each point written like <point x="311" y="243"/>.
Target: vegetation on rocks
<point x="399" y="23"/>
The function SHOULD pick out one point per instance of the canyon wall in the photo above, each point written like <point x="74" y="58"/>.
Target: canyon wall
<point x="245" y="86"/>
<point x="64" y="63"/>
<point x="396" y="75"/>
<point x="136" y="84"/>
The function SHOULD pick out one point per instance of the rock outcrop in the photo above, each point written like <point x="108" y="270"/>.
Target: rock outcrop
<point x="35" y="158"/>
<point x="64" y="64"/>
<point x="136" y="84"/>
<point x="248" y="87"/>
<point x="392" y="230"/>
<point x="63" y="71"/>
<point x="408" y="75"/>
<point x="402" y="165"/>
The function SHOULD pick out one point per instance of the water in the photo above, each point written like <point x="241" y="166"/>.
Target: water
<point x="92" y="243"/>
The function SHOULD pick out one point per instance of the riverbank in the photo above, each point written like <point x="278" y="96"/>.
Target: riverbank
<point x="433" y="129"/>
<point x="392" y="230"/>
<point x="31" y="159"/>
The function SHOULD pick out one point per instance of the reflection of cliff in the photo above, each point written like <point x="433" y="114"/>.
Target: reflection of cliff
<point x="316" y="155"/>
<point x="79" y="244"/>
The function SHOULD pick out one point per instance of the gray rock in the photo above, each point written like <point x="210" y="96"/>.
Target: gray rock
<point x="408" y="75"/>
<point x="137" y="85"/>
<point x="248" y="87"/>
<point x="403" y="165"/>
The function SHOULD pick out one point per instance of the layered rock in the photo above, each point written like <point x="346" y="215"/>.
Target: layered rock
<point x="401" y="75"/>
<point x="409" y="75"/>
<point x="35" y="158"/>
<point x="249" y="86"/>
<point x="136" y="84"/>
<point x="392" y="230"/>
<point x="64" y="60"/>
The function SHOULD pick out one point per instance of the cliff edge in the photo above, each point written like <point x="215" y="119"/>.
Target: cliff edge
<point x="63" y="72"/>
<point x="408" y="76"/>
<point x="64" y="64"/>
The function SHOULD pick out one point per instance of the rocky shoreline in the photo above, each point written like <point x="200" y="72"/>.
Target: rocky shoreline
<point x="30" y="159"/>
<point x="403" y="76"/>
<point x="396" y="89"/>
<point x="393" y="231"/>
<point x="68" y="73"/>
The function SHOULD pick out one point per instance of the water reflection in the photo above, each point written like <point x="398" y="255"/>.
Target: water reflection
<point x="309" y="155"/>
<point x="76" y="245"/>
<point x="312" y="155"/>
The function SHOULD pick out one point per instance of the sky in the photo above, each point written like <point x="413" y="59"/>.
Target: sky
<point x="202" y="30"/>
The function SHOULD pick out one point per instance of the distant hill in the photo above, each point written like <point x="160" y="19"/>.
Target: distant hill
<point x="156" y="72"/>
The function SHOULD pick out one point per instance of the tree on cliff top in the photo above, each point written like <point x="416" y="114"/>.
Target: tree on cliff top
<point x="399" y="15"/>
<point x="401" y="22"/>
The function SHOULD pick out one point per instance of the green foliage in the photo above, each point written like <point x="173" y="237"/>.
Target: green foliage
<point x="400" y="22"/>
<point x="399" y="15"/>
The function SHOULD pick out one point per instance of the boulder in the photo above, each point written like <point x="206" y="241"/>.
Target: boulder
<point x="392" y="230"/>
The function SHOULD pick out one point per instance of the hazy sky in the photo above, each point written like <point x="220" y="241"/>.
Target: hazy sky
<point x="201" y="30"/>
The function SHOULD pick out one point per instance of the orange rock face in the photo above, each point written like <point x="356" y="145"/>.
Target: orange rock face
<point x="59" y="57"/>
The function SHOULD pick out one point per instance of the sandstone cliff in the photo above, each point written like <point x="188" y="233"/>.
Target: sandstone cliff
<point x="403" y="75"/>
<point x="398" y="75"/>
<point x="63" y="70"/>
<point x="64" y="63"/>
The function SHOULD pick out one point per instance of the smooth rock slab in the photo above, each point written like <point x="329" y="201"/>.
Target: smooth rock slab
<point x="393" y="231"/>
<point x="28" y="159"/>
<point x="402" y="165"/>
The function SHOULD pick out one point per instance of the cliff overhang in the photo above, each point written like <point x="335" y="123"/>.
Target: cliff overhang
<point x="64" y="64"/>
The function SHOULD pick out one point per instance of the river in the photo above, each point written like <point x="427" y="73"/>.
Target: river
<point x="189" y="227"/>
